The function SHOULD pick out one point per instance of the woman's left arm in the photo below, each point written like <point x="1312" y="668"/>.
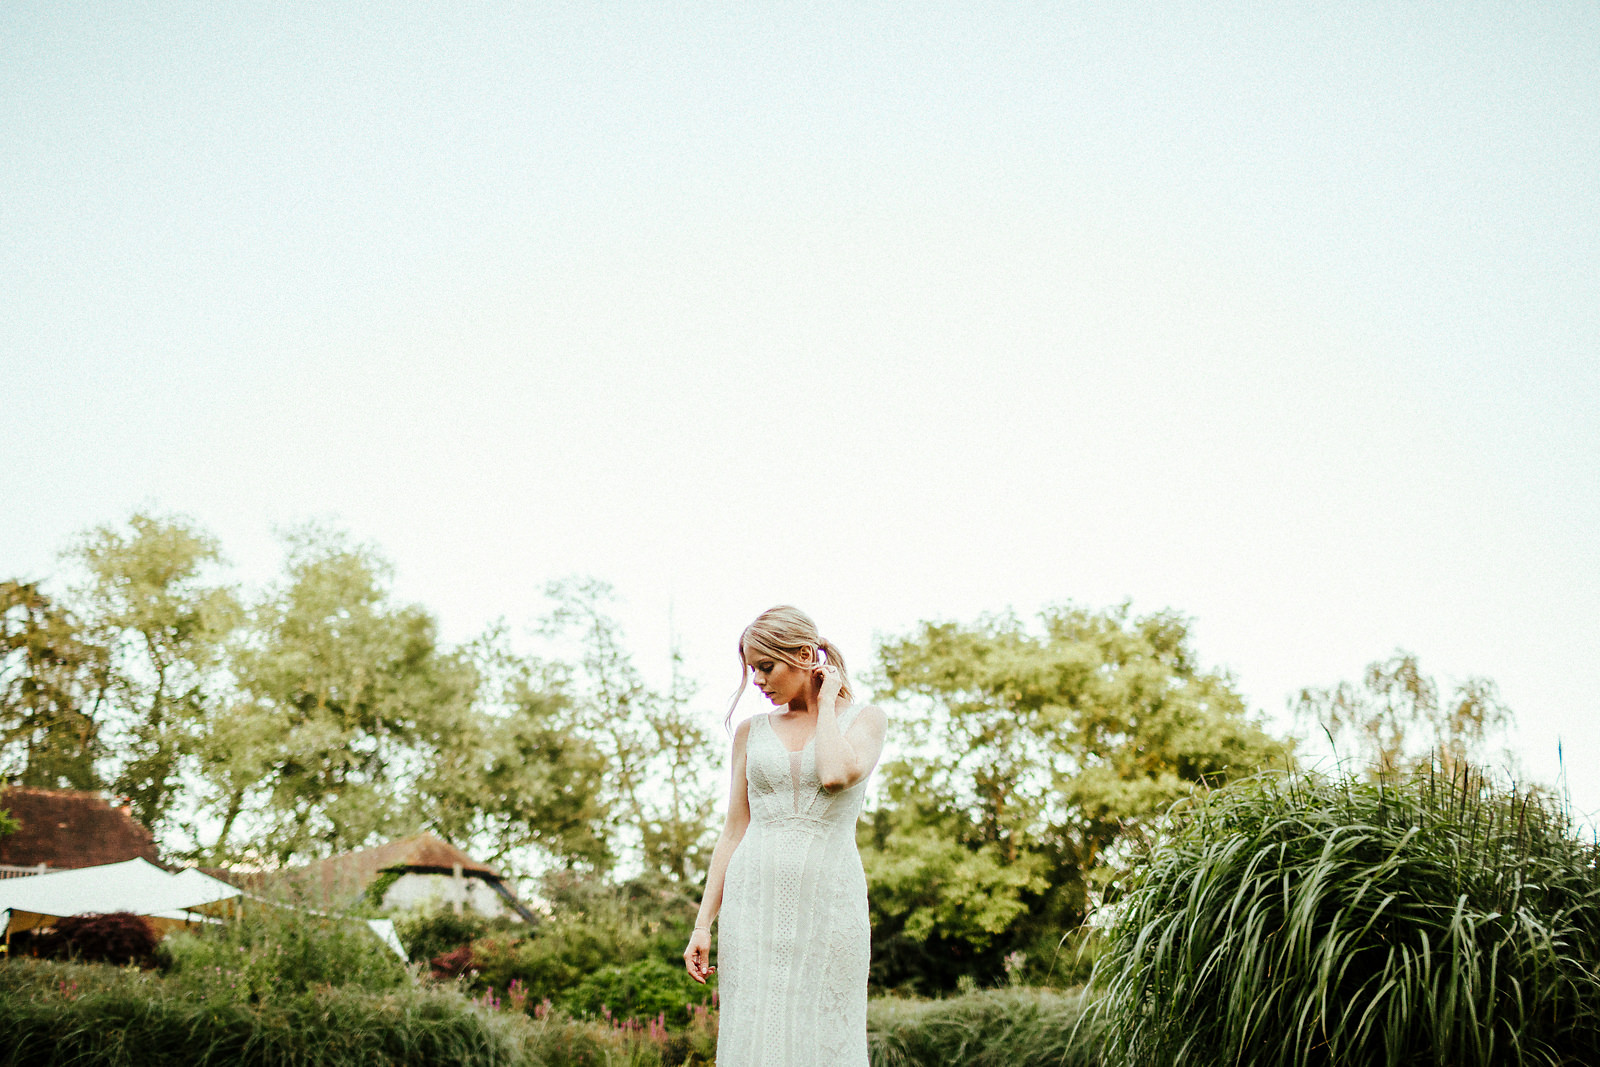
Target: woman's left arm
<point x="845" y="759"/>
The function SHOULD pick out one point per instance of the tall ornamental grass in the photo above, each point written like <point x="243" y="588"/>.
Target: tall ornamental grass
<point x="1305" y="921"/>
<point x="54" y="1015"/>
<point x="996" y="1028"/>
<point x="77" y="1015"/>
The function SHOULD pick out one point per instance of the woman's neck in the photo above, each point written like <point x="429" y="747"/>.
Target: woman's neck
<point x="806" y="704"/>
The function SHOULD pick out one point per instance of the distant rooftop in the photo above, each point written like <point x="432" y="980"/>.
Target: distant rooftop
<point x="351" y="872"/>
<point x="68" y="828"/>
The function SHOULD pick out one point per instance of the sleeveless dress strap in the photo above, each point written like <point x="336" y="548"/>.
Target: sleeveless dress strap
<point x="849" y="717"/>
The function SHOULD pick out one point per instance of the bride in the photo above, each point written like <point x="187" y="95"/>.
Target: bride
<point x="785" y="876"/>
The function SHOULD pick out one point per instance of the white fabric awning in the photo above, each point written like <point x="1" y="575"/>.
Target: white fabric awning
<point x="136" y="885"/>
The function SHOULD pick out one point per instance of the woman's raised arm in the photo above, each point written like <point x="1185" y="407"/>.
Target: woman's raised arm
<point x="843" y="760"/>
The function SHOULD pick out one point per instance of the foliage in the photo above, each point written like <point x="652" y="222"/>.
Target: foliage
<point x="427" y="934"/>
<point x="115" y="937"/>
<point x="945" y="894"/>
<point x="517" y="772"/>
<point x="353" y="687"/>
<point x="94" y="1016"/>
<point x="644" y="989"/>
<point x="325" y="715"/>
<point x="278" y="950"/>
<point x="559" y="1040"/>
<point x="147" y="601"/>
<point x="998" y="1028"/>
<point x="459" y="962"/>
<point x="593" y="925"/>
<point x="1033" y="753"/>
<point x="52" y="677"/>
<point x="1424" y="920"/>
<point x="660" y="764"/>
<point x="1380" y="721"/>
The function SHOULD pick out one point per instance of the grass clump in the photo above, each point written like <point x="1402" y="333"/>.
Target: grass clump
<point x="56" y="1014"/>
<point x="1297" y="922"/>
<point x="277" y="951"/>
<point x="994" y="1028"/>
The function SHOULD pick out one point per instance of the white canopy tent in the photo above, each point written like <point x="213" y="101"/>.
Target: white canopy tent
<point x="168" y="900"/>
<point x="136" y="885"/>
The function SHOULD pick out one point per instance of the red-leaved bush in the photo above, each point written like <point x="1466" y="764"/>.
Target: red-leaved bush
<point x="452" y="964"/>
<point x="116" y="937"/>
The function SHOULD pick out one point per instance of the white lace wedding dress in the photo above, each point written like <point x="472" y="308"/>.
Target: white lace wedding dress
<point x="793" y="938"/>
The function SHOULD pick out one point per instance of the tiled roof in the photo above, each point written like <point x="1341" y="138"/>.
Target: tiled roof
<point x="70" y="828"/>
<point x="350" y="873"/>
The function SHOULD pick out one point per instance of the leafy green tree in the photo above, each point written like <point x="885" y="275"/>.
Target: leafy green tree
<point x="513" y="772"/>
<point x="660" y="763"/>
<point x="1396" y="718"/>
<point x="678" y="830"/>
<point x="341" y="690"/>
<point x="608" y="694"/>
<point x="147" y="599"/>
<point x="53" y="682"/>
<point x="1033" y="751"/>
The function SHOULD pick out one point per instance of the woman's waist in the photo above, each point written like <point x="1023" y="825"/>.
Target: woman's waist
<point x="809" y="825"/>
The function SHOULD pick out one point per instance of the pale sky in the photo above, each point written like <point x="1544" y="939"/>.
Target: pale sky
<point x="1284" y="316"/>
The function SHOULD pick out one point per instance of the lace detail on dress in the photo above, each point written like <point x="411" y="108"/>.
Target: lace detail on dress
<point x="793" y="937"/>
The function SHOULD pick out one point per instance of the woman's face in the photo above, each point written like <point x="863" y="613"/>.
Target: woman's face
<point x="781" y="682"/>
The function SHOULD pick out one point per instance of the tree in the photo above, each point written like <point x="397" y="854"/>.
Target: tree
<point x="515" y="773"/>
<point x="1035" y="750"/>
<point x="52" y="683"/>
<point x="1395" y="718"/>
<point x="677" y="828"/>
<point x="340" y="692"/>
<point x="660" y="763"/>
<point x="146" y="599"/>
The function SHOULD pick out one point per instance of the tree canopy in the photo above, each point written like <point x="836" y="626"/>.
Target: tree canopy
<point x="1034" y="750"/>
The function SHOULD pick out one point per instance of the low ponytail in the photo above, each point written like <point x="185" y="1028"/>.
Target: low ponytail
<point x="835" y="657"/>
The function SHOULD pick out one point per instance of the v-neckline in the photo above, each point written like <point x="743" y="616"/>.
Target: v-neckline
<point x="794" y="751"/>
<point x="779" y="738"/>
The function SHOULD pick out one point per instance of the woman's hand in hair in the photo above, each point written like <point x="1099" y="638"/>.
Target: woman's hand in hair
<point x="831" y="682"/>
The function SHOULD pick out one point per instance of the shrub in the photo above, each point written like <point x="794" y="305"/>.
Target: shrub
<point x="115" y="937"/>
<point x="592" y="926"/>
<point x="429" y="934"/>
<point x="457" y="963"/>
<point x="644" y="989"/>
<point x="274" y="951"/>
<point x="996" y="1028"/>
<point x="1310" y="922"/>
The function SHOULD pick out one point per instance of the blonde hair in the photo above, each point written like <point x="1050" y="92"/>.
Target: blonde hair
<point x="783" y="633"/>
